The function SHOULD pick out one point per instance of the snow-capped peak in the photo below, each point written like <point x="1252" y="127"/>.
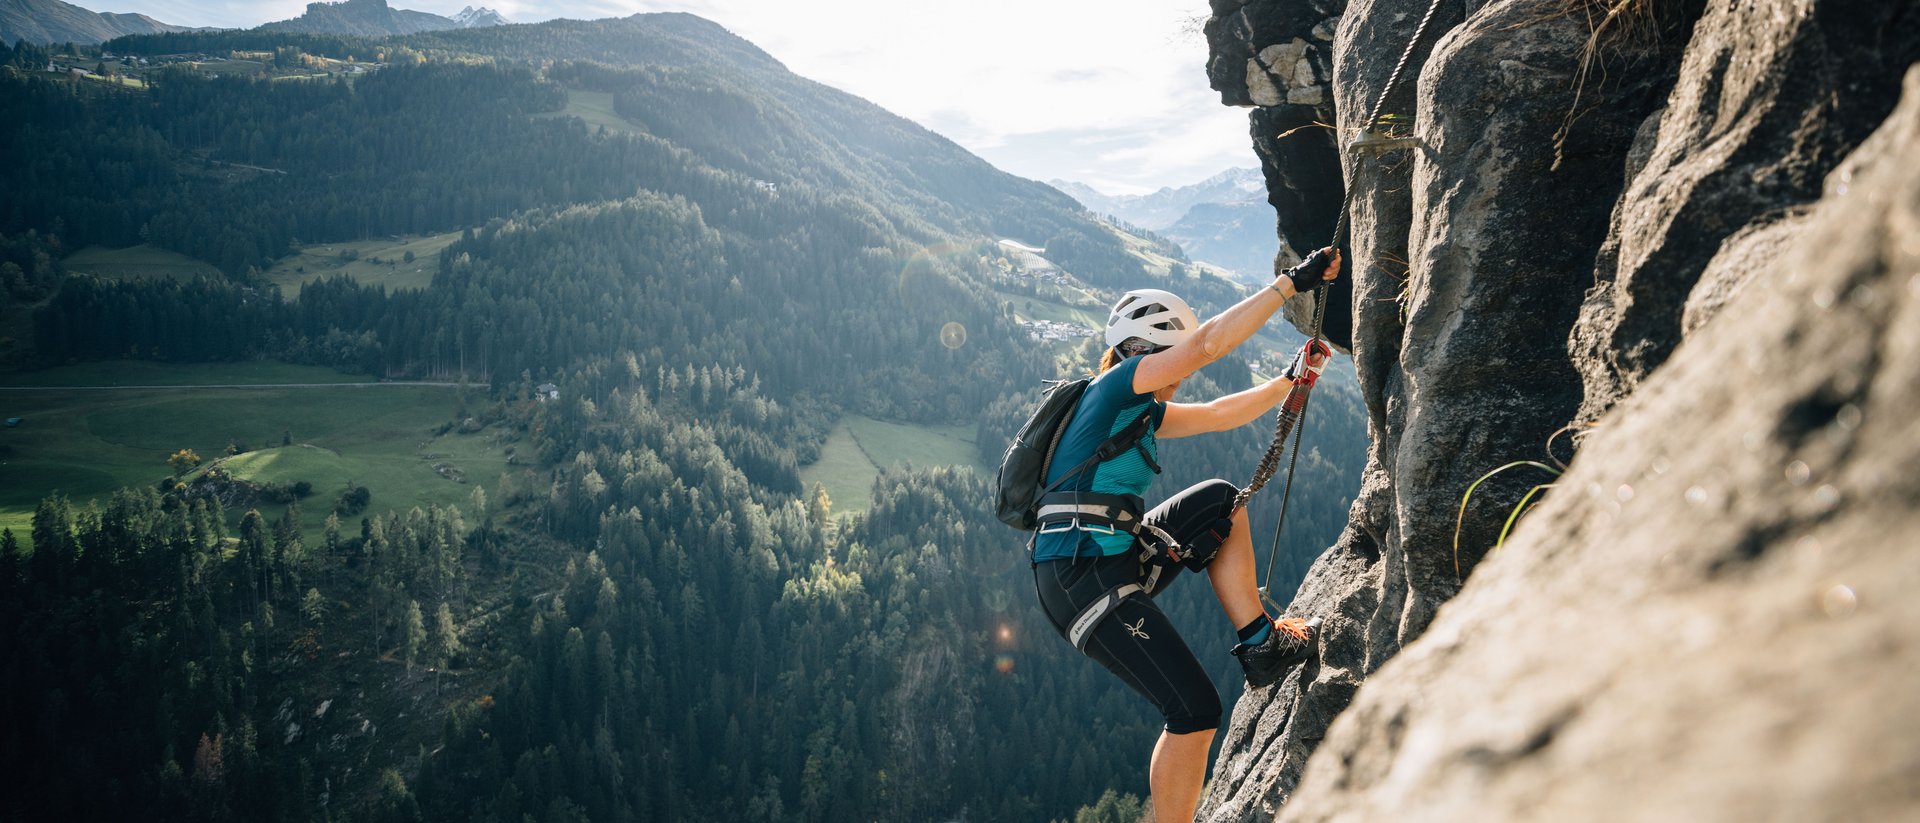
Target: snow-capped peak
<point x="472" y="18"/>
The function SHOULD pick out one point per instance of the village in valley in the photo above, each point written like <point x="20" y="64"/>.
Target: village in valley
<point x="133" y="70"/>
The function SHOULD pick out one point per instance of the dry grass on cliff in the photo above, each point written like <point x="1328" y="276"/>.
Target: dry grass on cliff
<point x="1613" y="26"/>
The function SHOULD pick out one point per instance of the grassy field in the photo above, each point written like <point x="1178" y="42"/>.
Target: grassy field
<point x="1036" y="308"/>
<point x="146" y="373"/>
<point x="596" y="108"/>
<point x="86" y="444"/>
<point x="859" y="447"/>
<point x="367" y="261"/>
<point x="239" y="67"/>
<point x="138" y="263"/>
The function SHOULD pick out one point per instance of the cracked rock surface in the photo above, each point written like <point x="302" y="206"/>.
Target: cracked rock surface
<point x="1667" y="232"/>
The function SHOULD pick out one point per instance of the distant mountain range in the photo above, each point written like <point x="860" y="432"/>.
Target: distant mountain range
<point x="1223" y="220"/>
<point x="1165" y="207"/>
<point x="374" y="18"/>
<point x="51" y="21"/>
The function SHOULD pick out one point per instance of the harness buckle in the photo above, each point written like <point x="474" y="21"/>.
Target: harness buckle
<point x="1059" y="526"/>
<point x="1160" y="542"/>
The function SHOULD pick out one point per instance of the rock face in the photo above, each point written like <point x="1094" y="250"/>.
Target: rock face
<point x="1278" y="58"/>
<point x="1771" y="96"/>
<point x="1596" y="190"/>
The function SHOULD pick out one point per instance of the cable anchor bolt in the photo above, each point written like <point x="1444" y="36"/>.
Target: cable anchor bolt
<point x="1373" y="142"/>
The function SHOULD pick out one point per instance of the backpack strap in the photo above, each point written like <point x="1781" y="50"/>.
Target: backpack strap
<point x="1132" y="437"/>
<point x="1081" y="508"/>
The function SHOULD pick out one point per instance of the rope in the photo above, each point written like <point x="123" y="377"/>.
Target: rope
<point x="1293" y="410"/>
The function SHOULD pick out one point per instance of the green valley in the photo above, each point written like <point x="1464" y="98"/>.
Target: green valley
<point x="394" y="439"/>
<point x="562" y="323"/>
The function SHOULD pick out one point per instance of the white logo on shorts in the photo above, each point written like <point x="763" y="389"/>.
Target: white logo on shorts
<point x="1134" y="628"/>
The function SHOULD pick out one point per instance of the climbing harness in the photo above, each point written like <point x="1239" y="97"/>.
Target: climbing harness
<point x="1294" y="409"/>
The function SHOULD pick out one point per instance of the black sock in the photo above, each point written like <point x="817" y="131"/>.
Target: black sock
<point x="1257" y="630"/>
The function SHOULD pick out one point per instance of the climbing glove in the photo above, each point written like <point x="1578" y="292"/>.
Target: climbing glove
<point x="1306" y="368"/>
<point x="1308" y="273"/>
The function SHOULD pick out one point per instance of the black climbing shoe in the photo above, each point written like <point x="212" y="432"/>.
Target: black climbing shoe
<point x="1291" y="641"/>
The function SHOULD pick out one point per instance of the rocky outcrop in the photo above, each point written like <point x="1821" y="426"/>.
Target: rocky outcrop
<point x="1771" y="96"/>
<point x="366" y="18"/>
<point x="1574" y="150"/>
<point x="1277" y="59"/>
<point x="1713" y="618"/>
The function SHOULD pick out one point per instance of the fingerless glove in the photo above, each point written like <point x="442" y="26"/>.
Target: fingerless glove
<point x="1307" y="274"/>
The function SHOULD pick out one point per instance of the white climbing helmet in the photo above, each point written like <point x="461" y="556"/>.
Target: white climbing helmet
<point x="1152" y="315"/>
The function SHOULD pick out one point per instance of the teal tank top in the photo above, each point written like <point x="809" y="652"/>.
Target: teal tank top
<point x="1108" y="406"/>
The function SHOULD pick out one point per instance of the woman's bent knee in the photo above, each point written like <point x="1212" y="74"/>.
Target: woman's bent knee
<point x="1199" y="713"/>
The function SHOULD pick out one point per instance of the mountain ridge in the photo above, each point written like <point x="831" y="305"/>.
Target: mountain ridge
<point x="377" y="18"/>
<point x="1163" y="208"/>
<point x="1223" y="220"/>
<point x="47" y="22"/>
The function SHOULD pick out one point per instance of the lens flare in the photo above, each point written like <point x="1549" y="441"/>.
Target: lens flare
<point x="953" y="335"/>
<point x="1003" y="664"/>
<point x="926" y="264"/>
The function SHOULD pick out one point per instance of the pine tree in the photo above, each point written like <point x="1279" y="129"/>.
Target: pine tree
<point x="314" y="608"/>
<point x="416" y="633"/>
<point x="287" y="551"/>
<point x="9" y="564"/>
<point x="444" y="644"/>
<point x="255" y="574"/>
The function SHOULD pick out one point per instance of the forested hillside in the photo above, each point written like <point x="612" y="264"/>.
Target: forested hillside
<point x="650" y="616"/>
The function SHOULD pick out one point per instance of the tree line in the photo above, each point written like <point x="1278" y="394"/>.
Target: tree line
<point x="666" y="624"/>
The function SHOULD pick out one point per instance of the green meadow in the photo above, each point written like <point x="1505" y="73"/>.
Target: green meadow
<point x="85" y="443"/>
<point x="138" y="263"/>
<point x="859" y="447"/>
<point x="382" y="262"/>
<point x="596" y="109"/>
<point x="1039" y="308"/>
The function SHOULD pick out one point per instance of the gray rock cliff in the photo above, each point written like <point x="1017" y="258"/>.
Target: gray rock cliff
<point x="1606" y="187"/>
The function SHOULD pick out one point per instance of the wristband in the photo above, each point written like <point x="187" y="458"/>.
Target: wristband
<point x="1275" y="286"/>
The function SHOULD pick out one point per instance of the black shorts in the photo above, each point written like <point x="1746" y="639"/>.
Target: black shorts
<point x="1137" y="642"/>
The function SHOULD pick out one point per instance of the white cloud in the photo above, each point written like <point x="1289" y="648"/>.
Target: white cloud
<point x="1108" y="92"/>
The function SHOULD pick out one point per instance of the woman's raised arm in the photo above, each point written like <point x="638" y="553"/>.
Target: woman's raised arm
<point x="1228" y="329"/>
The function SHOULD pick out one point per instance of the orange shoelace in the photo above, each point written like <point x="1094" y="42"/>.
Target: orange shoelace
<point x="1293" y="626"/>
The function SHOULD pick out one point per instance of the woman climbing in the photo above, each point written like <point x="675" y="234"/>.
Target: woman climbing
<point x="1088" y="553"/>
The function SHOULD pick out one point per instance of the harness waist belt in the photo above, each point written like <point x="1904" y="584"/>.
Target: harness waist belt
<point x="1090" y="508"/>
<point x="1085" y="509"/>
<point x="1095" y="612"/>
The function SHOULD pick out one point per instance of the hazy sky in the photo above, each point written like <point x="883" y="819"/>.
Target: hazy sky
<point x="1112" y="93"/>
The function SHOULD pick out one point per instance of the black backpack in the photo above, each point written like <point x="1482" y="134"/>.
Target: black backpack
<point x="1023" y="469"/>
